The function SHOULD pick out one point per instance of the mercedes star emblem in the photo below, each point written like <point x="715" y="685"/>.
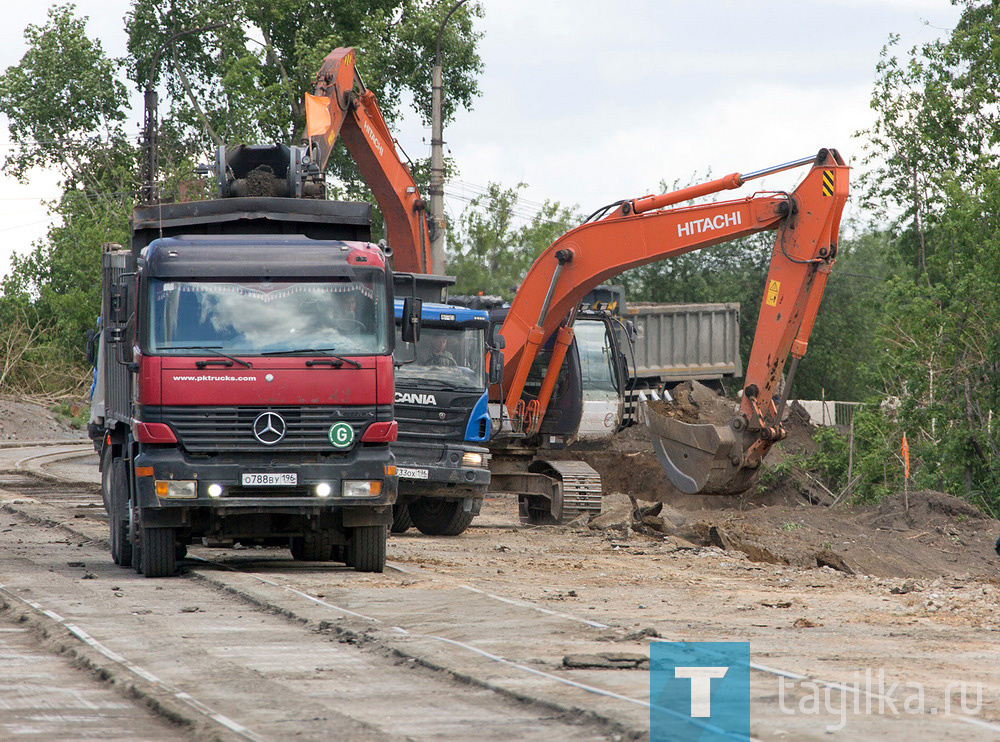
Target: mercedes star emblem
<point x="269" y="428"/>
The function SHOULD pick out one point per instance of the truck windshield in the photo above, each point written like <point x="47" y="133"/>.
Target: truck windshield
<point x="246" y="318"/>
<point x="452" y="358"/>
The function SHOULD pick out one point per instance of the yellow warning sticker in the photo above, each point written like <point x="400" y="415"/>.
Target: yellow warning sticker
<point x="828" y="182"/>
<point x="772" y="293"/>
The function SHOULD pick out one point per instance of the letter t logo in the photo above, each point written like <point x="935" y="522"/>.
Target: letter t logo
<point x="701" y="686"/>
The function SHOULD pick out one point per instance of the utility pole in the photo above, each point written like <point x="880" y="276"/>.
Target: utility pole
<point x="150" y="127"/>
<point x="437" y="223"/>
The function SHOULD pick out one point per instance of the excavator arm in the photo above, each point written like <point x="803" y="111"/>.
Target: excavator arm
<point x="697" y="458"/>
<point x="343" y="106"/>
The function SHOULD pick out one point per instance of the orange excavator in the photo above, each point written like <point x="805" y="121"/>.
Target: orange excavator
<point x="706" y="459"/>
<point x="342" y="106"/>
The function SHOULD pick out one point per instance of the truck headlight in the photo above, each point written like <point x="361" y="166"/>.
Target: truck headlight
<point x="470" y="458"/>
<point x="322" y="489"/>
<point x="177" y="488"/>
<point x="361" y="488"/>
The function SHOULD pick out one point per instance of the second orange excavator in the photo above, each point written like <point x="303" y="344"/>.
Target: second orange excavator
<point x="706" y="459"/>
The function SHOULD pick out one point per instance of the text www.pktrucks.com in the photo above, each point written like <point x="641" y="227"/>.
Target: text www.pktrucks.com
<point x="215" y="378"/>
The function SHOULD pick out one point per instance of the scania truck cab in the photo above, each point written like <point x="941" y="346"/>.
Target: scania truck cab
<point x="444" y="421"/>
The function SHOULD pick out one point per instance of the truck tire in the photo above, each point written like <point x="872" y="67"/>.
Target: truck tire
<point x="366" y="549"/>
<point x="118" y="531"/>
<point x="401" y="522"/>
<point x="315" y="546"/>
<point x="158" y="554"/>
<point x="436" y="517"/>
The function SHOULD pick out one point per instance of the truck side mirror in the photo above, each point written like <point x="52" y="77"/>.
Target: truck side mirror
<point x="92" y="338"/>
<point x="115" y="335"/>
<point x="120" y="303"/>
<point x="496" y="367"/>
<point x="409" y="330"/>
<point x="496" y="340"/>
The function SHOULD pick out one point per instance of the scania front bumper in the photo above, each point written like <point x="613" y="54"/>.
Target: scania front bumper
<point x="450" y="470"/>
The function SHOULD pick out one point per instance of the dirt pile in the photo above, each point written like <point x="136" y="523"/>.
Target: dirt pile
<point x="693" y="402"/>
<point x="937" y="536"/>
<point x="26" y="422"/>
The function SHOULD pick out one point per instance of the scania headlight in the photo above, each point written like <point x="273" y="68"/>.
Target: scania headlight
<point x="177" y="488"/>
<point x="361" y="488"/>
<point x="471" y="458"/>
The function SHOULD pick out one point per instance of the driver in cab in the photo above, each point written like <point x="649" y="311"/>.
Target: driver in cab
<point x="440" y="355"/>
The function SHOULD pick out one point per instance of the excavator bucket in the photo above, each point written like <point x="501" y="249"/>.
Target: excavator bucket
<point x="698" y="458"/>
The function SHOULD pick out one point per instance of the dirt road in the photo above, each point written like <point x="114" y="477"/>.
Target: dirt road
<point x="501" y="632"/>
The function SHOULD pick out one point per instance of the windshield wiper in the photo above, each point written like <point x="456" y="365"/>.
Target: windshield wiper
<point x="210" y="349"/>
<point x="324" y="351"/>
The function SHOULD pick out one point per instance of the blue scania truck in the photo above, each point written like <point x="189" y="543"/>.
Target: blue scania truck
<point x="442" y="410"/>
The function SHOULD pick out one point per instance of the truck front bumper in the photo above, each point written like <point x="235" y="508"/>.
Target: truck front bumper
<point x="170" y="464"/>
<point x="440" y="470"/>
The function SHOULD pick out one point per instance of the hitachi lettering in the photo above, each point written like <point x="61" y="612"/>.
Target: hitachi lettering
<point x="375" y="142"/>
<point x="408" y="398"/>
<point x="699" y="226"/>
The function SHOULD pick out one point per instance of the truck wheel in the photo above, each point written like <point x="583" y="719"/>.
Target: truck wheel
<point x="366" y="549"/>
<point x="401" y="522"/>
<point x="437" y="517"/>
<point x="315" y="546"/>
<point x="121" y="546"/>
<point x="158" y="554"/>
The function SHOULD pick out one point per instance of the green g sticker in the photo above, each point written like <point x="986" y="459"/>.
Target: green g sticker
<point x="341" y="435"/>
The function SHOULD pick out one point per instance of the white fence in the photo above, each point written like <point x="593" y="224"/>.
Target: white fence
<point x="828" y="412"/>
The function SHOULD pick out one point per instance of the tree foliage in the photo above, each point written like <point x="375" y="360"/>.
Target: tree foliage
<point x="490" y="252"/>
<point x="935" y="156"/>
<point x="67" y="104"/>
<point x="244" y="82"/>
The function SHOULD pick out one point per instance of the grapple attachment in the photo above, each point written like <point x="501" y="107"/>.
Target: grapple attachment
<point x="699" y="458"/>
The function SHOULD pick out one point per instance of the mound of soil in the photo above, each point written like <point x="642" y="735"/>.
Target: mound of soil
<point x="937" y="536"/>
<point x="693" y="402"/>
<point x="28" y="422"/>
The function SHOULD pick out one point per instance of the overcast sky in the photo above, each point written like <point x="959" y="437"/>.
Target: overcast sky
<point x="589" y="102"/>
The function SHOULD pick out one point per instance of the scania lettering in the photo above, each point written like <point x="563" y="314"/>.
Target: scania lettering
<point x="407" y="398"/>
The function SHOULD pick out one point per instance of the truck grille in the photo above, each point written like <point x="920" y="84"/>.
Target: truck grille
<point x="418" y="422"/>
<point x="215" y="429"/>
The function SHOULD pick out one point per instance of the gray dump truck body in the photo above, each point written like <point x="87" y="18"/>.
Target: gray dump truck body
<point x="677" y="342"/>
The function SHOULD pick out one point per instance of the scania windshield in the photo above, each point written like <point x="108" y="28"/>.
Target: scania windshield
<point x="250" y="318"/>
<point x="446" y="358"/>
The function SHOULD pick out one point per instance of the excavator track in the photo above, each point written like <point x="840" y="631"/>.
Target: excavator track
<point x="581" y="488"/>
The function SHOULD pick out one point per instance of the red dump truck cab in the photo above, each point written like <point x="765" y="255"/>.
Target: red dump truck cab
<point x="248" y="395"/>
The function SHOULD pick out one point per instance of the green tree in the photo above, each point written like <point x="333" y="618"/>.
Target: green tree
<point x="245" y="82"/>
<point x="65" y="102"/>
<point x="67" y="105"/>
<point x="489" y="252"/>
<point x="935" y="157"/>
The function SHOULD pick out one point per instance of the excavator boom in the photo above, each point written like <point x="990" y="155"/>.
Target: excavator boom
<point x="697" y="458"/>
<point x="344" y="107"/>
